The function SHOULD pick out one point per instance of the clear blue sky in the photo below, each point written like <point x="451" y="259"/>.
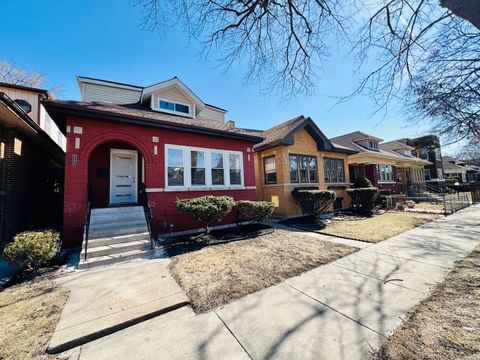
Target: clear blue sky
<point x="102" y="38"/>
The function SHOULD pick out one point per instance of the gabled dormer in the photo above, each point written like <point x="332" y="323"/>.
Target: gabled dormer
<point x="369" y="142"/>
<point x="170" y="96"/>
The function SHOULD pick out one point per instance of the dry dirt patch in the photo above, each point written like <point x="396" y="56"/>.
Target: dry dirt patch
<point x="29" y="313"/>
<point x="216" y="275"/>
<point x="447" y="324"/>
<point x="379" y="227"/>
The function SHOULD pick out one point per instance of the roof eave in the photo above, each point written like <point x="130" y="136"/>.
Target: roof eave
<point x="77" y="110"/>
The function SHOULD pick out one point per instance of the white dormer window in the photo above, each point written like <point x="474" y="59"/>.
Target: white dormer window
<point x="407" y="152"/>
<point x="372" y="145"/>
<point x="174" y="107"/>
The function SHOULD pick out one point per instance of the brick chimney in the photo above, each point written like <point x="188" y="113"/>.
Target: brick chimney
<point x="230" y="124"/>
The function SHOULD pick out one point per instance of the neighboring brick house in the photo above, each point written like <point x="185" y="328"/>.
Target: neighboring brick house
<point x="31" y="163"/>
<point x="163" y="136"/>
<point x="390" y="166"/>
<point x="296" y="154"/>
<point x="428" y="148"/>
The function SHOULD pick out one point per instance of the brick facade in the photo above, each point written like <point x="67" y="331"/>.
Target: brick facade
<point x="280" y="193"/>
<point x="30" y="181"/>
<point x="80" y="163"/>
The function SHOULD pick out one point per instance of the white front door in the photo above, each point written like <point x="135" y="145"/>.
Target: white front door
<point x="123" y="176"/>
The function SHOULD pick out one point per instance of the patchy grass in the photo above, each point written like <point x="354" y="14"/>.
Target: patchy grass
<point x="377" y="228"/>
<point x="447" y="324"/>
<point x="28" y="315"/>
<point x="216" y="275"/>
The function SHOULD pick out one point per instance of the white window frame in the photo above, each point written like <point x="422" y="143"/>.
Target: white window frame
<point x="372" y="145"/>
<point x="379" y="172"/>
<point x="190" y="107"/>
<point x="187" y="180"/>
<point x="438" y="154"/>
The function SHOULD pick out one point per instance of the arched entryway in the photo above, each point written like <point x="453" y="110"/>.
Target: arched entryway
<point x="115" y="172"/>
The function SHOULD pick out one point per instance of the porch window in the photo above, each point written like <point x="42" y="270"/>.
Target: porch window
<point x="333" y="170"/>
<point x="198" y="168"/>
<point x="218" y="177"/>
<point x="175" y="167"/>
<point x="384" y="173"/>
<point x="235" y="169"/>
<point x="270" y="170"/>
<point x="303" y="169"/>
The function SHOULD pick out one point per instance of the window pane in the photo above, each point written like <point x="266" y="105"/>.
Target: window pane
<point x="175" y="176"/>
<point x="182" y="108"/>
<point x="175" y="157"/>
<point x="198" y="176"/>
<point x="312" y="169"/>
<point x="217" y="160"/>
<point x="326" y="170"/>
<point x="303" y="169"/>
<point x="235" y="172"/>
<point x="270" y="170"/>
<point x="198" y="167"/>
<point x="217" y="177"/>
<point x="167" y="105"/>
<point x="341" y="172"/>
<point x="198" y="159"/>
<point x="293" y="169"/>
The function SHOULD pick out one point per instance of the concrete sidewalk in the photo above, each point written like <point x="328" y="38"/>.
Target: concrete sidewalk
<point x="343" y="310"/>
<point x="108" y="299"/>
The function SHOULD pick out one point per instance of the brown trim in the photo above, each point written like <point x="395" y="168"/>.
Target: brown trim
<point x="25" y="88"/>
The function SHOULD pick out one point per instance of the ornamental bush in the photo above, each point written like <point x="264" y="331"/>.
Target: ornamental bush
<point x="206" y="209"/>
<point x="253" y="211"/>
<point x="31" y="250"/>
<point x="363" y="199"/>
<point x="361" y="183"/>
<point x="314" y="202"/>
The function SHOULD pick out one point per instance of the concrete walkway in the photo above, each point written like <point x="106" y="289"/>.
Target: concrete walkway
<point x="107" y="299"/>
<point x="343" y="310"/>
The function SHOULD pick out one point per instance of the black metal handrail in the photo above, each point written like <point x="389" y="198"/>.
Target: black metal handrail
<point x="146" y="210"/>
<point x="86" y="222"/>
<point x="86" y="228"/>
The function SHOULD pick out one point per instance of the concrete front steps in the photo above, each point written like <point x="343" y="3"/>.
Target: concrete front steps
<point x="116" y="234"/>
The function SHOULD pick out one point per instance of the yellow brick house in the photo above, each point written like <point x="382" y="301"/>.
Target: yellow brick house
<point x="296" y="154"/>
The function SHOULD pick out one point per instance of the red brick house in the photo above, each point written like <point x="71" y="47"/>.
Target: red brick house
<point x="163" y="136"/>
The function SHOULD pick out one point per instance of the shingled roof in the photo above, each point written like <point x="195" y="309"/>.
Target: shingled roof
<point x="350" y="141"/>
<point x="139" y="114"/>
<point x="283" y="134"/>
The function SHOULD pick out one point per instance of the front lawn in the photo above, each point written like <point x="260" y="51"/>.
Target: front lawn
<point x="378" y="227"/>
<point x="215" y="275"/>
<point x="28" y="315"/>
<point x="447" y="324"/>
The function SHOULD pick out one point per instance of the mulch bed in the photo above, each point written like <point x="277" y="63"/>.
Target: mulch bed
<point x="184" y="243"/>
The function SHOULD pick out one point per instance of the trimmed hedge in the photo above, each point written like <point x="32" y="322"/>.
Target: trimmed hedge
<point x="314" y="202"/>
<point x="253" y="211"/>
<point x="31" y="250"/>
<point x="363" y="199"/>
<point x="206" y="209"/>
<point x="361" y="183"/>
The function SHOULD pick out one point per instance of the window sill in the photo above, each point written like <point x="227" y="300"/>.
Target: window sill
<point x="387" y="182"/>
<point x="208" y="188"/>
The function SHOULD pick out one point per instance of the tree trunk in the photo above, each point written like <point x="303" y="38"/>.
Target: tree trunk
<point x="465" y="9"/>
